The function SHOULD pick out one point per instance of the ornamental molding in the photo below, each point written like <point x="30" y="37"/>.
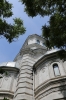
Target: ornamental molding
<point x="31" y="51"/>
<point x="56" y="89"/>
<point x="50" y="86"/>
<point x="46" y="58"/>
<point x="48" y="63"/>
<point x="6" y="92"/>
<point x="54" y="61"/>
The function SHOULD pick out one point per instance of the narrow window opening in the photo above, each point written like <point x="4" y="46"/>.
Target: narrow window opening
<point x="38" y="41"/>
<point x="43" y="44"/>
<point x="56" y="70"/>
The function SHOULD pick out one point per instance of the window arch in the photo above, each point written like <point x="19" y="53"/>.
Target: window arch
<point x="56" y="70"/>
<point x="38" y="41"/>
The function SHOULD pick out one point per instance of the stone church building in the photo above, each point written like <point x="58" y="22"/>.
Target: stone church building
<point x="35" y="74"/>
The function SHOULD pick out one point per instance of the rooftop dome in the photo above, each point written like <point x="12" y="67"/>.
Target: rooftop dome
<point x="9" y="64"/>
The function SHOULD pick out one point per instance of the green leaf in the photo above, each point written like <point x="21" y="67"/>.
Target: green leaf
<point x="9" y="31"/>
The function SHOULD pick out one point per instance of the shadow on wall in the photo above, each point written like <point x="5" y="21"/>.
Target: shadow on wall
<point x="62" y="88"/>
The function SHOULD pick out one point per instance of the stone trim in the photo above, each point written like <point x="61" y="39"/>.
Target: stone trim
<point x="9" y="93"/>
<point x="50" y="86"/>
<point x="49" y="92"/>
<point x="24" y="82"/>
<point x="25" y="73"/>
<point x="25" y="69"/>
<point x="23" y="93"/>
<point x="10" y="68"/>
<point x="45" y="58"/>
<point x="26" y="63"/>
<point x="24" y="87"/>
<point x="25" y="66"/>
<point x="25" y="79"/>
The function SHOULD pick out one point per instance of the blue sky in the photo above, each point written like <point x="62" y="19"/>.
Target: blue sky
<point x="33" y="26"/>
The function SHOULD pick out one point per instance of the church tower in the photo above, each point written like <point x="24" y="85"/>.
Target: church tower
<point x="30" y="52"/>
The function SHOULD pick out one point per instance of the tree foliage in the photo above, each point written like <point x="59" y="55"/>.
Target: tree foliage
<point x="5" y="98"/>
<point x="55" y="32"/>
<point x="44" y="7"/>
<point x="9" y="31"/>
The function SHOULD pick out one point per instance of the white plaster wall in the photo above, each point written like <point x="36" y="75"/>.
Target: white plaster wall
<point x="41" y="76"/>
<point x="33" y="47"/>
<point x="45" y="73"/>
<point x="61" y="68"/>
<point x="6" y="83"/>
<point x="64" y="66"/>
<point x="24" y="97"/>
<point x="36" y="80"/>
<point x="14" y="85"/>
<point x="41" y="43"/>
<point x="34" y="40"/>
<point x="31" y="41"/>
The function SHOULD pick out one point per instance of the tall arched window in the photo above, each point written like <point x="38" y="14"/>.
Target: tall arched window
<point x="56" y="70"/>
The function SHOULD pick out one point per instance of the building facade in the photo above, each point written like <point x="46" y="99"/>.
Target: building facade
<point x="35" y="74"/>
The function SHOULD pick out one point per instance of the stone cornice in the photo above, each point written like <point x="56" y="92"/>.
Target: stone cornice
<point x="32" y="52"/>
<point x="9" y="93"/>
<point x="32" y="36"/>
<point x="44" y="58"/>
<point x="26" y="51"/>
<point x="8" y="68"/>
<point x="47" y="87"/>
<point x="24" y="45"/>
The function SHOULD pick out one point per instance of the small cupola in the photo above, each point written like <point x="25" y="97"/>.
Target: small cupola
<point x="34" y="41"/>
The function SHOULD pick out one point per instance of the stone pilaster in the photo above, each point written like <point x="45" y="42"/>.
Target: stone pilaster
<point x="24" y="89"/>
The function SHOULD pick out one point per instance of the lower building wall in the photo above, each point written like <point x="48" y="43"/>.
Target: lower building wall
<point x="59" y="95"/>
<point x="54" y="89"/>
